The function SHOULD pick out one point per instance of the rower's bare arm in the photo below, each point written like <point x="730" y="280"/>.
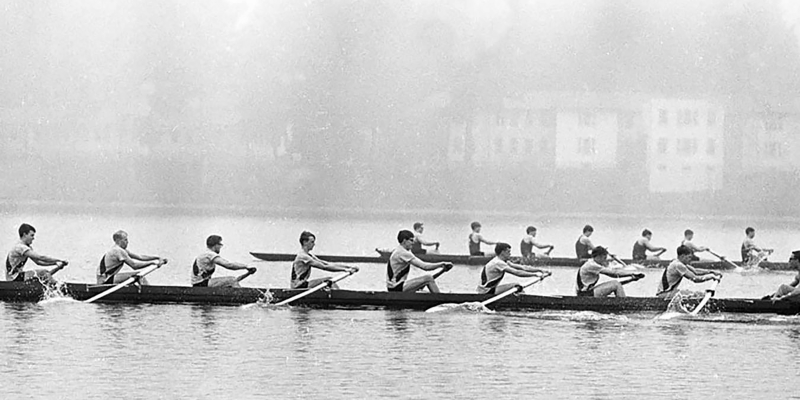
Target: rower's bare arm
<point x="127" y="259"/>
<point x="41" y="259"/>
<point x="701" y="272"/>
<point x="526" y="268"/>
<point x="142" y="257"/>
<point x="233" y="266"/>
<point x="521" y="272"/>
<point x="426" y="265"/>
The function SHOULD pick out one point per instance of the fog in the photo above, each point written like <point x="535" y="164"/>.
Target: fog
<point x="617" y="106"/>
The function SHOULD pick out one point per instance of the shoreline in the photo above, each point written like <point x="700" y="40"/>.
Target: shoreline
<point x="11" y="206"/>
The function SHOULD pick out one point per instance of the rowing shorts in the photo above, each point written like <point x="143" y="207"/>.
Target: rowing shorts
<point x="20" y="277"/>
<point x="201" y="284"/>
<point x="398" y="288"/>
<point x="586" y="293"/>
<point x="303" y="285"/>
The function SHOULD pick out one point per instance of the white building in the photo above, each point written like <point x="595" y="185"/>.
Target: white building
<point x="684" y="145"/>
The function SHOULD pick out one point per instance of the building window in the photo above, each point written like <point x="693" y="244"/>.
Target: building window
<point x="712" y="118"/>
<point x="711" y="147"/>
<point x="773" y="124"/>
<point x="663" y="117"/>
<point x="687" y="147"/>
<point x="774" y="149"/>
<point x="586" y="146"/>
<point x="687" y="117"/>
<point x="663" y="145"/>
<point x="662" y="167"/>
<point x="587" y="119"/>
<point x="503" y="121"/>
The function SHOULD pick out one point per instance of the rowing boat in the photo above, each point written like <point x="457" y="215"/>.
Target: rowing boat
<point x="32" y="291"/>
<point x="383" y="258"/>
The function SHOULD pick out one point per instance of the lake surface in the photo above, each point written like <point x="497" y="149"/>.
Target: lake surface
<point x="60" y="348"/>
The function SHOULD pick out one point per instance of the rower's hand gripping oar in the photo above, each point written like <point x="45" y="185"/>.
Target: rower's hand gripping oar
<point x="515" y="290"/>
<point x="250" y="271"/>
<point x="59" y="266"/>
<point x="447" y="267"/>
<point x="632" y="278"/>
<point x="317" y="288"/>
<point x="722" y="258"/>
<point x="135" y="278"/>
<point x="709" y="292"/>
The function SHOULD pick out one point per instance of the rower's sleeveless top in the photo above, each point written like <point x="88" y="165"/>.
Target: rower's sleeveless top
<point x="416" y="247"/>
<point x="110" y="264"/>
<point x="397" y="269"/>
<point x="582" y="250"/>
<point x="15" y="261"/>
<point x="491" y="275"/>
<point x="203" y="267"/>
<point x="639" y="252"/>
<point x="525" y="248"/>
<point x="584" y="290"/>
<point x="665" y="286"/>
<point x="301" y="270"/>
<point x="474" y="247"/>
<point x="745" y="253"/>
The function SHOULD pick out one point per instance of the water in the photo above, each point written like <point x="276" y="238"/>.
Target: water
<point x="64" y="349"/>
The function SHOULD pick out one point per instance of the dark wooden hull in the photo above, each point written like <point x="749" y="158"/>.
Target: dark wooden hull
<point x="383" y="258"/>
<point x="33" y="291"/>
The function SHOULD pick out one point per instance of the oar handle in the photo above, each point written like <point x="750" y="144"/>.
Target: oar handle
<point x="445" y="268"/>
<point x="632" y="278"/>
<point x="250" y="271"/>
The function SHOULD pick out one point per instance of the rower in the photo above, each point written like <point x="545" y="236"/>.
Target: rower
<point x="475" y="240"/>
<point x="688" y="235"/>
<point x="643" y="245"/>
<point x="400" y="263"/>
<point x="22" y="251"/>
<point x="419" y="241"/>
<point x="205" y="264"/>
<point x="583" y="246"/>
<point x="589" y="275"/>
<point x="752" y="254"/>
<point x="528" y="243"/>
<point x="792" y="290"/>
<point x="494" y="271"/>
<point x="118" y="256"/>
<point x="304" y="261"/>
<point x="678" y="269"/>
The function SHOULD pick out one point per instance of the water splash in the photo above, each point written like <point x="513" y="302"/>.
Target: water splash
<point x="53" y="290"/>
<point x="461" y="308"/>
<point x="264" y="301"/>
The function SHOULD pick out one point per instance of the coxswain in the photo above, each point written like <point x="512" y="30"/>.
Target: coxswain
<point x="118" y="256"/>
<point x="589" y="275"/>
<point x="475" y="240"/>
<point x="643" y="245"/>
<point x="419" y="241"/>
<point x="528" y="243"/>
<point x="205" y="265"/>
<point x="304" y="261"/>
<point x="22" y="251"/>
<point x="752" y="254"/>
<point x="400" y="263"/>
<point x="583" y="246"/>
<point x="791" y="290"/>
<point x="494" y="271"/>
<point x="678" y="269"/>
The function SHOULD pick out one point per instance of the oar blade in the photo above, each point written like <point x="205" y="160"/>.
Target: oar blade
<point x="709" y="293"/>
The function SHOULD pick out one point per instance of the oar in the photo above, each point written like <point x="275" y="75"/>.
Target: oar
<point x="722" y="258"/>
<point x="514" y="290"/>
<point x="124" y="283"/>
<point x="250" y="271"/>
<point x="442" y="271"/>
<point x="615" y="258"/>
<point x="709" y="292"/>
<point x="58" y="268"/>
<point x="316" y="288"/>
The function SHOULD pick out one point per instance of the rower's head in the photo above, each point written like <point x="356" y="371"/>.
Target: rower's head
<point x="476" y="226"/>
<point x="684" y="254"/>
<point x="688" y="234"/>
<point x="587" y="230"/>
<point x="307" y="240"/>
<point x="750" y="232"/>
<point x="418" y="227"/>
<point x="214" y="243"/>
<point x="502" y="250"/>
<point x="647" y="234"/>
<point x="405" y="238"/>
<point x="600" y="255"/>
<point x="794" y="259"/>
<point x="27" y="233"/>
<point x="120" y="238"/>
<point x="531" y="230"/>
